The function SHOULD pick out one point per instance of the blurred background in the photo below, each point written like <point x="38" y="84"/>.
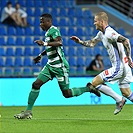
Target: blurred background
<point x="72" y="17"/>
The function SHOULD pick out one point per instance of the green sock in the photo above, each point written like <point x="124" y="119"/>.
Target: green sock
<point x="79" y="91"/>
<point x="32" y="98"/>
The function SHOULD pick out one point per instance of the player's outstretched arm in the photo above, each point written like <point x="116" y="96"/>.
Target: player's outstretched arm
<point x="88" y="43"/>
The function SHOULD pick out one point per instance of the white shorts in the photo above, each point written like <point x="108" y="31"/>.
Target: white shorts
<point x="122" y="75"/>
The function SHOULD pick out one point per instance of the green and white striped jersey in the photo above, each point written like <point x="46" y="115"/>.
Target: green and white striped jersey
<point x="55" y="54"/>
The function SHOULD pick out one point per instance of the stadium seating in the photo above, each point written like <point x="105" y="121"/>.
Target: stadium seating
<point x="17" y="44"/>
<point x="10" y="51"/>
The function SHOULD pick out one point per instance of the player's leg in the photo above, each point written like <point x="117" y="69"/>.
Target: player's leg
<point x="63" y="81"/>
<point x="126" y="92"/>
<point x="42" y="78"/>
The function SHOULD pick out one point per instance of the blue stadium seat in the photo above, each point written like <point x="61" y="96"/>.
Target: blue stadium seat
<point x="35" y="69"/>
<point x="80" y="62"/>
<point x="2" y="51"/>
<point x="89" y="52"/>
<point x="104" y="52"/>
<point x="80" y="51"/>
<point x="17" y="71"/>
<point x="72" y="61"/>
<point x="65" y="51"/>
<point x="87" y="14"/>
<point x="37" y="12"/>
<point x="71" y="51"/>
<point x="20" y="31"/>
<point x="22" y="3"/>
<point x="65" y="43"/>
<point x="27" y="61"/>
<point x="79" y="31"/>
<point x="28" y="51"/>
<point x="30" y="21"/>
<point x="28" y="41"/>
<point x="71" y="31"/>
<point x="11" y="30"/>
<point x="9" y="62"/>
<point x="27" y="71"/>
<point x="10" y="41"/>
<point x="106" y="62"/>
<point x="63" y="31"/>
<point x="18" y="61"/>
<point x="54" y="12"/>
<point x="30" y="3"/>
<point x="2" y="62"/>
<point x="80" y="22"/>
<point x="73" y="70"/>
<point x="29" y="11"/>
<point x="36" y="51"/>
<point x="19" y="41"/>
<point x="37" y="30"/>
<point x="96" y="50"/>
<point x="8" y="72"/>
<point x="1" y="72"/>
<point x="71" y="21"/>
<point x="80" y="69"/>
<point x="63" y="22"/>
<point x="71" y="12"/>
<point x="2" y="41"/>
<point x="63" y="12"/>
<point x="19" y="51"/>
<point x="79" y="12"/>
<point x="38" y="3"/>
<point x="44" y="61"/>
<point x="3" y="30"/>
<point x="88" y="61"/>
<point x="10" y="51"/>
<point x="28" y="31"/>
<point x="36" y="21"/>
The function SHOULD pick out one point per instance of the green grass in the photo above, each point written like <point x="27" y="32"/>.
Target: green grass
<point x="68" y="119"/>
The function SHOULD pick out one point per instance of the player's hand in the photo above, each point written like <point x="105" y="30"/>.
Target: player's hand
<point x="75" y="39"/>
<point x="37" y="59"/>
<point x="41" y="43"/>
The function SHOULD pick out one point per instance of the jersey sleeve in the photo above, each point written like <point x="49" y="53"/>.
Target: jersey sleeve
<point x="98" y="36"/>
<point x="55" y="33"/>
<point x="113" y="35"/>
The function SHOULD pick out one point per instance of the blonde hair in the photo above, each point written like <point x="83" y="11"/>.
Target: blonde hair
<point x="102" y="16"/>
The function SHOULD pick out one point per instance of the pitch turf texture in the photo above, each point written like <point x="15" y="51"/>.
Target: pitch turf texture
<point x="68" y="119"/>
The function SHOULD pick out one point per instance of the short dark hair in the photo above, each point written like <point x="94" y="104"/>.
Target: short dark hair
<point x="98" y="55"/>
<point x="47" y="16"/>
<point x="9" y="3"/>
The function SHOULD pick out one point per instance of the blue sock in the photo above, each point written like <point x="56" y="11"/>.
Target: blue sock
<point x="130" y="97"/>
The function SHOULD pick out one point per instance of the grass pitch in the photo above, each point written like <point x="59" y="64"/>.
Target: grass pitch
<point x="68" y="119"/>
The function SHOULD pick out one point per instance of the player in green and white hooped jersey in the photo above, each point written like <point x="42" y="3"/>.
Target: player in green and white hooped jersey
<point x="57" y="66"/>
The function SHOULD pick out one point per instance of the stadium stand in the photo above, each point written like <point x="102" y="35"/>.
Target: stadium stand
<point x="16" y="57"/>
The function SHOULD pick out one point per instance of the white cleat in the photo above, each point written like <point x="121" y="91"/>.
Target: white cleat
<point x="24" y="115"/>
<point x="119" y="106"/>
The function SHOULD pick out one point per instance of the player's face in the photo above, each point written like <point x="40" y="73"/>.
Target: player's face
<point x="97" y="23"/>
<point x="44" y="23"/>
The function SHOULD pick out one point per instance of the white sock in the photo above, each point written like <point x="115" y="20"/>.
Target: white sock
<point x="130" y="97"/>
<point x="110" y="92"/>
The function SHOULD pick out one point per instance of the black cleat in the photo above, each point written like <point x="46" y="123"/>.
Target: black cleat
<point x="93" y="89"/>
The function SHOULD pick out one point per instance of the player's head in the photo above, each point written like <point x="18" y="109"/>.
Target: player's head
<point x="101" y="20"/>
<point x="98" y="57"/>
<point x="45" y="21"/>
<point x="9" y="4"/>
<point x="17" y="6"/>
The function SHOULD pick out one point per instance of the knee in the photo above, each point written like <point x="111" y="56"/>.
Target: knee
<point x="67" y="93"/>
<point x="36" y="85"/>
